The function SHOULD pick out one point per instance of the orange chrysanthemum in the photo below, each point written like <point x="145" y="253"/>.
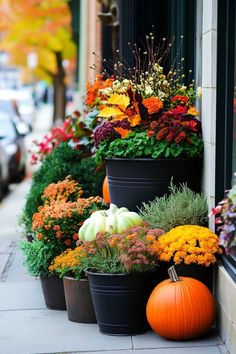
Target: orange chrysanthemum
<point x="153" y="104"/>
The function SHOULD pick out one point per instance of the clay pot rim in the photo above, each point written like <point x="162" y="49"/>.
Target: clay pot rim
<point x="71" y="278"/>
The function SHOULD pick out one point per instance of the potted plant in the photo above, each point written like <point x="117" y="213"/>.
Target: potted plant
<point x="64" y="160"/>
<point x="122" y="272"/>
<point x="225" y="220"/>
<point x="150" y="133"/>
<point x="37" y="259"/>
<point x="56" y="226"/>
<point x="181" y="207"/>
<point x="193" y="249"/>
<point x="77" y="292"/>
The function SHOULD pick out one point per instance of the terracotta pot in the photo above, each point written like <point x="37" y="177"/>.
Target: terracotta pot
<point x="78" y="300"/>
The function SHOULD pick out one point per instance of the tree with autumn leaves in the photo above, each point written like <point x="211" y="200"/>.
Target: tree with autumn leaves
<point x="42" y="27"/>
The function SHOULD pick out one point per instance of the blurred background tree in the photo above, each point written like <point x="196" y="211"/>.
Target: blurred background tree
<point x="42" y="28"/>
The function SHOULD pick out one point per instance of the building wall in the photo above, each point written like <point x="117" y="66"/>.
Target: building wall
<point x="90" y="41"/>
<point x="226" y="308"/>
<point x="208" y="104"/>
<point x="225" y="289"/>
<point x="94" y="49"/>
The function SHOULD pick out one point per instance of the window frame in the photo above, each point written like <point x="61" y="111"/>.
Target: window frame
<point x="224" y="107"/>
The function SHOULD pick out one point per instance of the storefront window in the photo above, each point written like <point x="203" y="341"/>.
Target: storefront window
<point x="234" y="118"/>
<point x="226" y="108"/>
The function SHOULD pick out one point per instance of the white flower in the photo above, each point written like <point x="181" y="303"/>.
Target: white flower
<point x="165" y="83"/>
<point x="148" y="90"/>
<point x="161" y="94"/>
<point x="183" y="88"/>
<point x="199" y="91"/>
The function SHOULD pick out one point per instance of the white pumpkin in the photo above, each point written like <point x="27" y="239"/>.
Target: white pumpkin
<point x="113" y="220"/>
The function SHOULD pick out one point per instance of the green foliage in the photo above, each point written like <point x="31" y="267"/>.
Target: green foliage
<point x="139" y="145"/>
<point x="181" y="207"/>
<point x="38" y="256"/>
<point x="63" y="161"/>
<point x="108" y="264"/>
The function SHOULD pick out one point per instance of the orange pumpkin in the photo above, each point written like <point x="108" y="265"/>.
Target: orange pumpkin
<point x="105" y="191"/>
<point x="180" y="308"/>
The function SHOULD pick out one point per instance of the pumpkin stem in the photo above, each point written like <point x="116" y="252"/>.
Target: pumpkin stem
<point x="173" y="275"/>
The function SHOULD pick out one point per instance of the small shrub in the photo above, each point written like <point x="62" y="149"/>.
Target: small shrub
<point x="63" y="161"/>
<point x="38" y="256"/>
<point x="181" y="207"/>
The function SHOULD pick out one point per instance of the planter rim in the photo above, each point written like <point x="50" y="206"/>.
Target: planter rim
<point x="151" y="159"/>
<point x="71" y="278"/>
<point x="48" y="276"/>
<point x="118" y="274"/>
<point x="109" y="274"/>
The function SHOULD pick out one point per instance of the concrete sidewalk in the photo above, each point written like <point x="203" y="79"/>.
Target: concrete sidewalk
<point x="28" y="327"/>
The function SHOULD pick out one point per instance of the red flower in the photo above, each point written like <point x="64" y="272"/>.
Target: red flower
<point x="162" y="133"/>
<point x="170" y="136"/>
<point x="67" y="242"/>
<point x="150" y="133"/>
<point x="180" y="137"/>
<point x="179" y="110"/>
<point x="153" y="125"/>
<point x="75" y="237"/>
<point x="183" y="99"/>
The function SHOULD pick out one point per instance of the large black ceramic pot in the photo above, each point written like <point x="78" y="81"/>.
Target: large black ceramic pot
<point x="196" y="271"/>
<point x="133" y="181"/>
<point x="78" y="300"/>
<point x="120" y="301"/>
<point x="53" y="291"/>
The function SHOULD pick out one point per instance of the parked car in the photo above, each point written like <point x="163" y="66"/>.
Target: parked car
<point x="4" y="171"/>
<point x="12" y="132"/>
<point x="19" y="103"/>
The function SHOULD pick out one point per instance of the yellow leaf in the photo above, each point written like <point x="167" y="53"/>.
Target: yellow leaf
<point x="135" y="120"/>
<point x="193" y="111"/>
<point x="120" y="100"/>
<point x="108" y="112"/>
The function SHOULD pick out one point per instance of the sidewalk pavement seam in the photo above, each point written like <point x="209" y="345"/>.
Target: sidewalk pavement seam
<point x="124" y="351"/>
<point x="27" y="309"/>
<point x="6" y="253"/>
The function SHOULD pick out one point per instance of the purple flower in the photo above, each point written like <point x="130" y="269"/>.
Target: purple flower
<point x="106" y="131"/>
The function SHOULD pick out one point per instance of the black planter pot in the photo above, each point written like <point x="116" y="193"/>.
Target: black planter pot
<point x="53" y="292"/>
<point x="196" y="271"/>
<point x="30" y="237"/>
<point x="120" y="301"/>
<point x="133" y="181"/>
<point x="78" y="300"/>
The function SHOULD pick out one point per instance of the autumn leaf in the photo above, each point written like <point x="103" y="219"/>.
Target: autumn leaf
<point x="123" y="132"/>
<point x="134" y="120"/>
<point x="193" y="111"/>
<point x="109" y="112"/>
<point x="120" y="100"/>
